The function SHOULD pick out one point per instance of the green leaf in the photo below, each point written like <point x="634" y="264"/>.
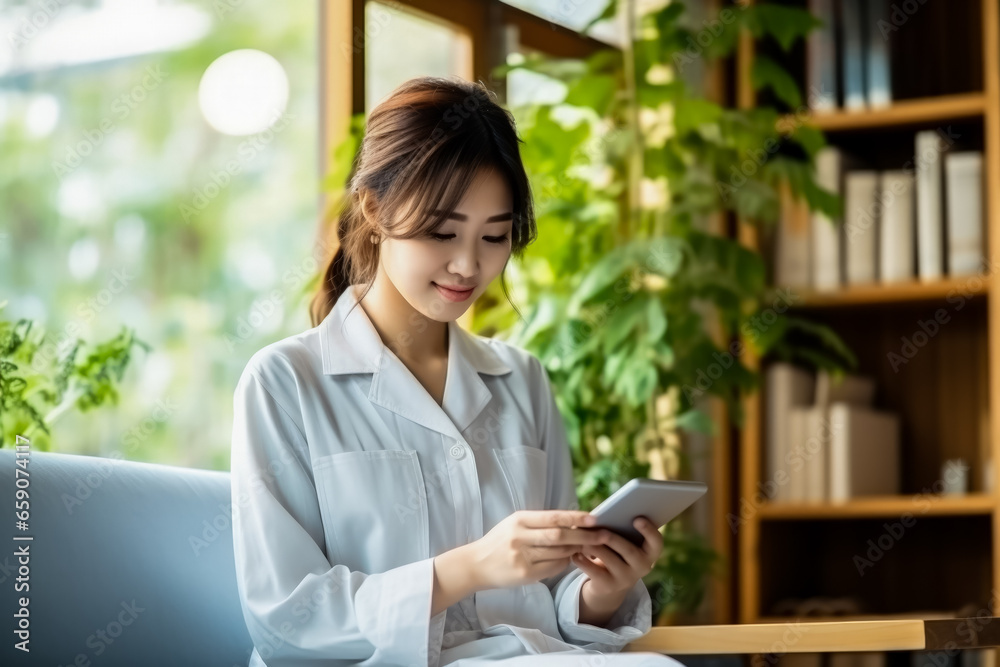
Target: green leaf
<point x="786" y="24"/>
<point x="656" y="321"/>
<point x="691" y="114"/>
<point x="594" y="91"/>
<point x="767" y="73"/>
<point x="696" y="421"/>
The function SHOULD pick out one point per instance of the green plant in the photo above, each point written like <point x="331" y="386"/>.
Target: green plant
<point x="36" y="388"/>
<point x="627" y="171"/>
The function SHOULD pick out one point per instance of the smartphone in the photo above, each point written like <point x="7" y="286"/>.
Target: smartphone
<point x="656" y="499"/>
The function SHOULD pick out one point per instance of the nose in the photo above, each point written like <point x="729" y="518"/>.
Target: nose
<point x="465" y="261"/>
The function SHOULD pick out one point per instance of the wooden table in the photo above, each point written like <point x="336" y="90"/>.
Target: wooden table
<point x="797" y="636"/>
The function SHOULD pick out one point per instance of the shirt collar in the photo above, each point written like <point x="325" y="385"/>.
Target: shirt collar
<point x="350" y="343"/>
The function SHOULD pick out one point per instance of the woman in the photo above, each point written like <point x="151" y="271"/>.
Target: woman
<point x="403" y="491"/>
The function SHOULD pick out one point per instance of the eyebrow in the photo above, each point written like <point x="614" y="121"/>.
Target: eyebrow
<point x="461" y="217"/>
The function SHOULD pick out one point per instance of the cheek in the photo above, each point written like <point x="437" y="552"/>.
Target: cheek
<point x="413" y="261"/>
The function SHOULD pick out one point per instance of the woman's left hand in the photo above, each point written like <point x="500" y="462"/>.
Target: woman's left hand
<point x="615" y="565"/>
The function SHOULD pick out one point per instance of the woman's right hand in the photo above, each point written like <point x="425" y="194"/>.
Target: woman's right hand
<point x="530" y="545"/>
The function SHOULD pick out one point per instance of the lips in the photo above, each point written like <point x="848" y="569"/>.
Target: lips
<point x="453" y="294"/>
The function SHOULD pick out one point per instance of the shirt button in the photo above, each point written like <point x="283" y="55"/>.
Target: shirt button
<point x="457" y="451"/>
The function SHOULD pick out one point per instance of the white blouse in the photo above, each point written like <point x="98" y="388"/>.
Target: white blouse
<point x="348" y="478"/>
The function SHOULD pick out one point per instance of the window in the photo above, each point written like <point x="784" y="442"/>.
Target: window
<point x="159" y="171"/>
<point x="433" y="48"/>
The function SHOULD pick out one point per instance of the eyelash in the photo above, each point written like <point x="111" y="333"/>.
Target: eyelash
<point x="490" y="239"/>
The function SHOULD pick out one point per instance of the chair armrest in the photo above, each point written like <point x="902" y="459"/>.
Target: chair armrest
<point x="797" y="636"/>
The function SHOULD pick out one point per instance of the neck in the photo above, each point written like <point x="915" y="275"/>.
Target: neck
<point x="403" y="329"/>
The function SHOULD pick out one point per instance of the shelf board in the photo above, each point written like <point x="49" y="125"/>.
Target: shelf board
<point x="904" y="112"/>
<point x="882" y="506"/>
<point x="932" y="614"/>
<point x="890" y="293"/>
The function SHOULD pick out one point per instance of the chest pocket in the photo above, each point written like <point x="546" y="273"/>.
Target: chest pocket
<point x="374" y="508"/>
<point x="525" y="471"/>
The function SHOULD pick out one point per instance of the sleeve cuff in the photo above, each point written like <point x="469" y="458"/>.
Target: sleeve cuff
<point x="394" y="613"/>
<point x="630" y="621"/>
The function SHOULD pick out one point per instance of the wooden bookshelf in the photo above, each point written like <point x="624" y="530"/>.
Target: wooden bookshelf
<point x="945" y="403"/>
<point x="882" y="506"/>
<point x="888" y="294"/>
<point x="906" y="112"/>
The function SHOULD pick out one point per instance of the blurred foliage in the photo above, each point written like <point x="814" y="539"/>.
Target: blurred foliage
<point x="111" y="169"/>
<point x="628" y="170"/>
<point x="39" y="383"/>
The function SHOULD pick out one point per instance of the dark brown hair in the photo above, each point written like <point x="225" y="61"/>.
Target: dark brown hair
<point x="423" y="145"/>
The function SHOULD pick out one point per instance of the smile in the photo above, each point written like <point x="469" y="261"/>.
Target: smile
<point x="453" y="295"/>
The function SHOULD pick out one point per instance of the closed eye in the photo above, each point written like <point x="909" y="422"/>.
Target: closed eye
<point x="491" y="239"/>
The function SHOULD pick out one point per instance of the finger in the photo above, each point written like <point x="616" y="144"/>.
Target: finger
<point x="539" y="553"/>
<point x="551" y="568"/>
<point x="653" y="544"/>
<point x="556" y="536"/>
<point x="591" y="569"/>
<point x="630" y="553"/>
<point x="556" y="518"/>
<point x="618" y="568"/>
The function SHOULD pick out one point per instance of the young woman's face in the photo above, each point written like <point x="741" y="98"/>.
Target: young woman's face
<point x="465" y="253"/>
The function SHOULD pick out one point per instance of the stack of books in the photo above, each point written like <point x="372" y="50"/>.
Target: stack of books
<point x="900" y="225"/>
<point x="824" y="440"/>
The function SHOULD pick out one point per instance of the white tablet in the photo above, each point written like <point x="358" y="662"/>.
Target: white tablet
<point x="658" y="500"/>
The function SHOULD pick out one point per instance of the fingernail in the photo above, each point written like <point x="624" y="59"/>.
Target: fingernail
<point x="589" y="520"/>
<point x="638" y="523"/>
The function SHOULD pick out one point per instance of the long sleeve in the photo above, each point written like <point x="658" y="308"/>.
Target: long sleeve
<point x="299" y="609"/>
<point x="634" y="617"/>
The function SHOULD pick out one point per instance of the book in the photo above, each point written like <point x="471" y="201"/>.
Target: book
<point x="852" y="53"/>
<point x="861" y="214"/>
<point x="930" y="211"/>
<point x="808" y="457"/>
<point x="864" y="452"/>
<point x="878" y="89"/>
<point x="827" y="234"/>
<point x="787" y="386"/>
<point x="792" y="241"/>
<point x="896" y="227"/>
<point x="964" y="198"/>
<point x="852" y="389"/>
<point x="821" y="58"/>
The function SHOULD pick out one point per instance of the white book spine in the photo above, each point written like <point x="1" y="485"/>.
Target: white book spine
<point x="930" y="256"/>
<point x="964" y="195"/>
<point x="896" y="227"/>
<point x="826" y="233"/>
<point x="861" y="226"/>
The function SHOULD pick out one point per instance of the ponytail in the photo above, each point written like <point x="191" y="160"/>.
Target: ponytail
<point x="341" y="272"/>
